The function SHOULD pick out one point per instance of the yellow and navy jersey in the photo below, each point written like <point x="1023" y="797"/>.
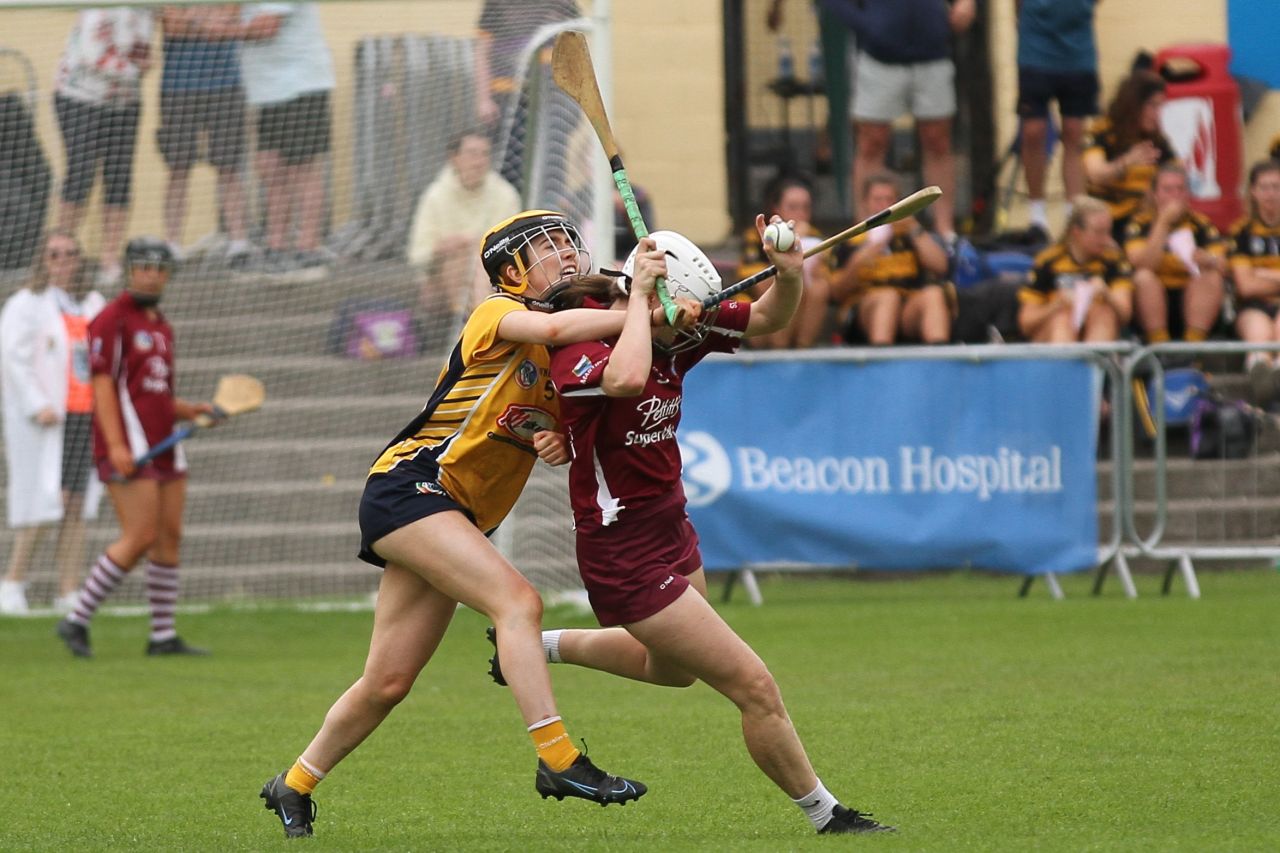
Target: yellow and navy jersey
<point x="1124" y="196"/>
<point x="898" y="266"/>
<point x="1172" y="272"/>
<point x="478" y="425"/>
<point x="1275" y="147"/>
<point x="1056" y="271"/>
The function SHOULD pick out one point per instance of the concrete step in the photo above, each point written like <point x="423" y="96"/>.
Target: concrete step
<point x="1202" y="478"/>
<point x="329" y="377"/>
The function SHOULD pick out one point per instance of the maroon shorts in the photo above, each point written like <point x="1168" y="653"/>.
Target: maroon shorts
<point x="636" y="566"/>
<point x="150" y="471"/>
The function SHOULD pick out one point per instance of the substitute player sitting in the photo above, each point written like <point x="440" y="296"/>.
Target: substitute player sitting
<point x="1081" y="288"/>
<point x="1179" y="260"/>
<point x="435" y="494"/>
<point x="131" y="357"/>
<point x="637" y="552"/>
<point x="891" y="279"/>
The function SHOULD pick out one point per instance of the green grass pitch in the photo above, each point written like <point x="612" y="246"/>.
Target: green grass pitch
<point x="945" y="705"/>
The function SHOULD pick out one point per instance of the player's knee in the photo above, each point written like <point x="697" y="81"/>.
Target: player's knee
<point x="388" y="689"/>
<point x="758" y="693"/>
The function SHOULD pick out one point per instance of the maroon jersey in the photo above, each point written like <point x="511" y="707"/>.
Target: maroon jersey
<point x="135" y="348"/>
<point x="625" y="455"/>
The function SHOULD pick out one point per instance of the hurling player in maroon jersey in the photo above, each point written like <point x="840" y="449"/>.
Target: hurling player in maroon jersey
<point x="131" y="368"/>
<point x="637" y="551"/>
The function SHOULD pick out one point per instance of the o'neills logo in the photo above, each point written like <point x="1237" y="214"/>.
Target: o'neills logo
<point x="524" y="421"/>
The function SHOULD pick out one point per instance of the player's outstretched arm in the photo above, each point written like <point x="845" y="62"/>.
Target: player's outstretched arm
<point x="779" y="303"/>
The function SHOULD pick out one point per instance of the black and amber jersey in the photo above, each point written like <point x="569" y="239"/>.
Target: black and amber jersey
<point x="1124" y="196"/>
<point x="1056" y="271"/>
<point x="1275" y="147"/>
<point x="1256" y="244"/>
<point x="1171" y="270"/>
<point x="478" y="425"/>
<point x="898" y="266"/>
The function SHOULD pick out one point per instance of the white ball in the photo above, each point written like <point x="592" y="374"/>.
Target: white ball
<point x="781" y="234"/>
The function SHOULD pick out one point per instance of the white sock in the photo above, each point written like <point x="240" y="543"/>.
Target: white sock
<point x="817" y="805"/>
<point x="551" y="645"/>
<point x="1037" y="213"/>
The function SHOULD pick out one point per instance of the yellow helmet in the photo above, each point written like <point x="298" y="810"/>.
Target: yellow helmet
<point x="504" y="242"/>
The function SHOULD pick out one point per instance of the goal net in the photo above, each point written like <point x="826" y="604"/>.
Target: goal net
<point x="296" y="157"/>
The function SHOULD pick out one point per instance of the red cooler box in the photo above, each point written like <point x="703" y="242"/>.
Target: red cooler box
<point x="1202" y="119"/>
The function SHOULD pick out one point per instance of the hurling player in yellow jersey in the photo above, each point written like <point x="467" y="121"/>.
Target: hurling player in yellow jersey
<point x="441" y="485"/>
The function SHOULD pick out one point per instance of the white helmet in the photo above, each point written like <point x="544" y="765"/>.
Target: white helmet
<point x="690" y="274"/>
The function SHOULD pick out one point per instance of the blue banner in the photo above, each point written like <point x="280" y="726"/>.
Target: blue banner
<point x="893" y="465"/>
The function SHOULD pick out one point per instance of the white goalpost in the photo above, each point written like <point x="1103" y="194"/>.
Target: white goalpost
<point x="346" y="331"/>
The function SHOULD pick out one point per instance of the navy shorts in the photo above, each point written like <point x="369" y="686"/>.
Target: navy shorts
<point x="401" y="496"/>
<point x="1076" y="92"/>
<point x="638" y="565"/>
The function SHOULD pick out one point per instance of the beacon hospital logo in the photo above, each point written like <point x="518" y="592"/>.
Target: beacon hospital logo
<point x="707" y="473"/>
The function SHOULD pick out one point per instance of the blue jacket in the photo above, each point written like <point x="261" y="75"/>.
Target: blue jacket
<point x="897" y="31"/>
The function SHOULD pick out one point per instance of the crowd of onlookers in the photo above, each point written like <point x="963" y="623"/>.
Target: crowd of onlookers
<point x="1135" y="259"/>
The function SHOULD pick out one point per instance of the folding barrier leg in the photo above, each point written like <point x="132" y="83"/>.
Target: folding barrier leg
<point x="1189" y="576"/>
<point x="752" y="588"/>
<point x="1100" y="577"/>
<point x="1169" y="569"/>
<point x="730" y="579"/>
<point x="1051" y="580"/>
<point x="1122" y="572"/>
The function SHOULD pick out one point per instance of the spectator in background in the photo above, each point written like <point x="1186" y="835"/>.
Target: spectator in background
<point x="1255" y="266"/>
<point x="131" y="358"/>
<point x="1125" y="147"/>
<point x="1057" y="61"/>
<point x="44" y="352"/>
<point x="1179" y="260"/>
<point x="1081" y="288"/>
<point x="904" y="66"/>
<point x="454" y="212"/>
<point x="288" y="75"/>
<point x="890" y="280"/>
<point x="200" y="94"/>
<point x="97" y="98"/>
<point x="791" y="198"/>
<point x="502" y="33"/>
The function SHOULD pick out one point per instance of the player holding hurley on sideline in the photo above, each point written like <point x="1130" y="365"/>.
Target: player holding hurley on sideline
<point x="131" y="357"/>
<point x="436" y="492"/>
<point x="637" y="552"/>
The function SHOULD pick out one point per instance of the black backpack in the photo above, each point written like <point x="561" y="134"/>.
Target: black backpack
<point x="1222" y="429"/>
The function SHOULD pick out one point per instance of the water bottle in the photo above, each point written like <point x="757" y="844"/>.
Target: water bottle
<point x="786" y="61"/>
<point x="815" y="66"/>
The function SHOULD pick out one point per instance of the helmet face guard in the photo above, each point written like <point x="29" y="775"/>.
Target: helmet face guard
<point x="690" y="274"/>
<point x="532" y="239"/>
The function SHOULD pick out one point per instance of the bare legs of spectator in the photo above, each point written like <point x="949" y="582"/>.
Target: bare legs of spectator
<point x="939" y="165"/>
<point x="297" y="188"/>
<point x="232" y="202"/>
<point x="939" y="170"/>
<point x="1201" y="302"/>
<point x="114" y="220"/>
<point x="68" y="554"/>
<point x="810" y="318"/>
<point x="1151" y="305"/>
<point x="25" y="539"/>
<point x="1035" y="162"/>
<point x="923" y="315"/>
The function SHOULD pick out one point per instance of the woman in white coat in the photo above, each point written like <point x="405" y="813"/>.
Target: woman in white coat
<point x="44" y="366"/>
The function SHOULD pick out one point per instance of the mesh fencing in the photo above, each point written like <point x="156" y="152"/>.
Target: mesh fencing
<point x="296" y="224"/>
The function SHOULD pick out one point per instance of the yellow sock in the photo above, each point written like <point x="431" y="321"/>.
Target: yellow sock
<point x="1158" y="336"/>
<point x="301" y="778"/>
<point x="1195" y="335"/>
<point x="553" y="745"/>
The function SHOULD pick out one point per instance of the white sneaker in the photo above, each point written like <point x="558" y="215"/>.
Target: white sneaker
<point x="64" y="604"/>
<point x="13" y="598"/>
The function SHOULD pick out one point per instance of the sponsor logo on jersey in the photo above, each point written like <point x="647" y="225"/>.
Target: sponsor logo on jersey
<point x="524" y="421"/>
<point x="526" y="374"/>
<point x="666" y="582"/>
<point x="142" y="341"/>
<point x="583" y="368"/>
